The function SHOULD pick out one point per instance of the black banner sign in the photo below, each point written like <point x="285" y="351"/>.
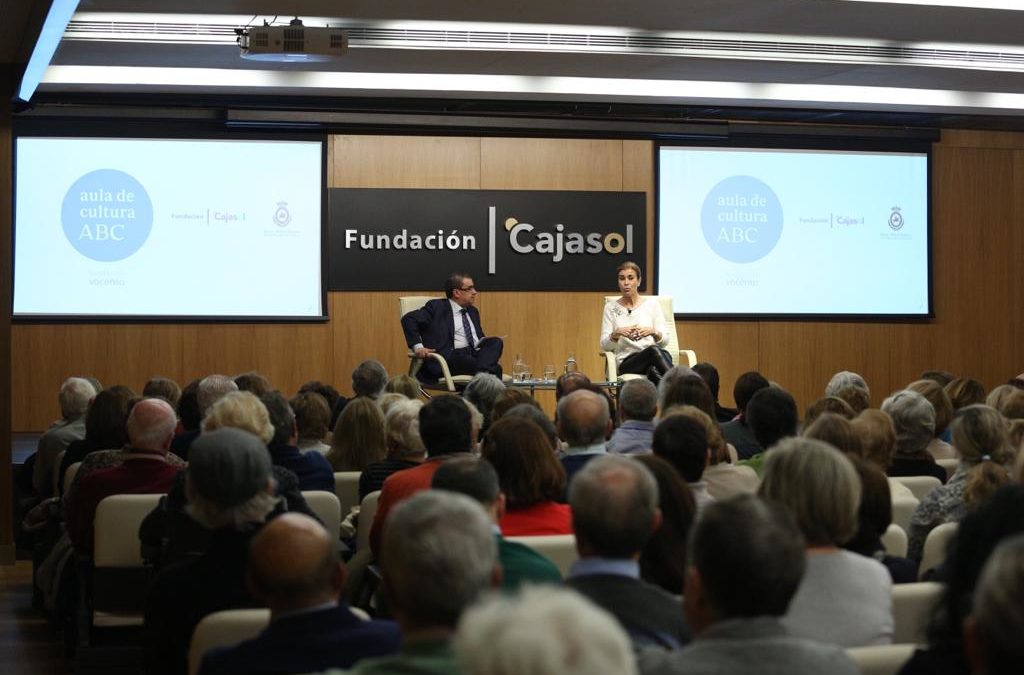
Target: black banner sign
<point x="390" y="239"/>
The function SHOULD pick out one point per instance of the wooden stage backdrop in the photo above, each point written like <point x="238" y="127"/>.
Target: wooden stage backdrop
<point x="978" y="245"/>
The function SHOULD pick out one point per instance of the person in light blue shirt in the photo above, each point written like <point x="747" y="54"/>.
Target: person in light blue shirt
<point x="638" y="403"/>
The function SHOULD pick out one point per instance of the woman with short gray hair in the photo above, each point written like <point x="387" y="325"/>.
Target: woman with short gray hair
<point x="913" y="417"/>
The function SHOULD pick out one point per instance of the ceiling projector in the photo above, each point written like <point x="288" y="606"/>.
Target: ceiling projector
<point x="293" y="43"/>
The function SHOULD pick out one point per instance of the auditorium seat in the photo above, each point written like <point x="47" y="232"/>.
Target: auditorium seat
<point x="919" y="485"/>
<point x="881" y="659"/>
<point x="935" y="545"/>
<point x="224" y="628"/>
<point x="911" y="609"/>
<point x="895" y="541"/>
<point x="69" y="475"/>
<point x="949" y="465"/>
<point x="327" y="508"/>
<point x="686" y="357"/>
<point x="346" y="487"/>
<point x="558" y="548"/>
<point x="903" y="510"/>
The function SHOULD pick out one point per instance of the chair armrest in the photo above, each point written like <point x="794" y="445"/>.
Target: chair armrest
<point x="446" y="374"/>
<point x="689" y="355"/>
<point x="611" y="366"/>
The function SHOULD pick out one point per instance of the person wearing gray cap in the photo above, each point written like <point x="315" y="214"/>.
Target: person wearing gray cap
<point x="230" y="491"/>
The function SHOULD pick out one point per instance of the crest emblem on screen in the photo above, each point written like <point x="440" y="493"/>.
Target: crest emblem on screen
<point x="742" y="219"/>
<point x="896" y="219"/>
<point x="107" y="215"/>
<point x="282" y="216"/>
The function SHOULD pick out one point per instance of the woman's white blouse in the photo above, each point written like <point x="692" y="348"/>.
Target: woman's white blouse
<point x="647" y="314"/>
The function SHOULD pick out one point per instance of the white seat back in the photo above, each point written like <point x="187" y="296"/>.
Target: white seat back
<point x="224" y="628"/>
<point x="346" y="487"/>
<point x="912" y="606"/>
<point x="408" y="303"/>
<point x="69" y="475"/>
<point x="116" y="529"/>
<point x="903" y="510"/>
<point x="367" y="510"/>
<point x="327" y="508"/>
<point x="935" y="545"/>
<point x="558" y="548"/>
<point x="881" y="659"/>
<point x="949" y="465"/>
<point x="895" y="541"/>
<point x="919" y="485"/>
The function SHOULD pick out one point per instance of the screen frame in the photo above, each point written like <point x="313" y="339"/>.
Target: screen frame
<point x="76" y="129"/>
<point x="810" y="143"/>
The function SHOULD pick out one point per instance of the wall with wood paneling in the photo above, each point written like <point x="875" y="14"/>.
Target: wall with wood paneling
<point x="978" y="212"/>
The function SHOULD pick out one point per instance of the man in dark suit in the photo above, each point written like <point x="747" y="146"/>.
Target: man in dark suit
<point x="451" y="327"/>
<point x="294" y="568"/>
<point x="615" y="510"/>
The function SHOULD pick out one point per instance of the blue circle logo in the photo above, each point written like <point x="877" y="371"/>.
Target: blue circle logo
<point x="742" y="219"/>
<point x="107" y="215"/>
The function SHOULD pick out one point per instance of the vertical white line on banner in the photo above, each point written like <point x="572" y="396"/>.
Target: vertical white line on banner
<point x="490" y="241"/>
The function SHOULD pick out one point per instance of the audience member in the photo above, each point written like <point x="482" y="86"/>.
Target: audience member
<point x="531" y="479"/>
<point x="724" y="478"/>
<point x="230" y="492"/>
<point x="943" y="407"/>
<point x="979" y="433"/>
<point x="771" y="414"/>
<point x="104" y="427"/>
<point x="532" y="411"/>
<point x="482" y="391"/>
<point x="584" y="423"/>
<point x="1007" y="399"/>
<point x="403" y="384"/>
<point x="683" y="443"/>
<point x="541" y="631"/>
<point x="254" y="383"/>
<point x="965" y="391"/>
<point x="312" y="415"/>
<point x="858" y="399"/>
<point x="189" y="418"/>
<point x="735" y="607"/>
<point x="388" y="399"/>
<point x="313" y="470"/>
<point x="369" y="379"/>
<point x="688" y="390"/>
<point x="404" y="446"/>
<point x="838" y="432"/>
<point x="74" y="397"/>
<point x="568" y="383"/>
<point x="509" y="399"/>
<point x="843" y="379"/>
<point x="977" y="536"/>
<point x="874" y="517"/>
<point x="709" y="374"/>
<point x="144" y="470"/>
<point x="240" y="410"/>
<point x="162" y="387"/>
<point x="615" y="511"/>
<point x="913" y="418"/>
<point x="663" y="558"/>
<point x="942" y="377"/>
<point x="476" y="478"/>
<point x="992" y="635"/>
<point x="638" y="404"/>
<point x="844" y="598"/>
<point x="828" y="404"/>
<point x="444" y="538"/>
<point x="446" y="428"/>
<point x="358" y="439"/>
<point x="330" y="394"/>
<point x="674" y="374"/>
<point x="738" y="432"/>
<point x="209" y="390"/>
<point x="877" y="437"/>
<point x="294" y="569"/>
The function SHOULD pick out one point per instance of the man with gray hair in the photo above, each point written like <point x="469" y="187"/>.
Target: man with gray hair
<point x="615" y="511"/>
<point x="230" y="489"/>
<point x="992" y="633"/>
<point x="369" y="379"/>
<point x="74" y="397"/>
<point x="638" y="403"/>
<point x="844" y="379"/>
<point x="439" y="556"/>
<point x="735" y="608"/>
<point x="584" y="424"/>
<point x="211" y="389"/>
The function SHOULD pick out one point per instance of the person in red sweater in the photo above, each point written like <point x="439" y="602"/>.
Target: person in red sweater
<point x="144" y="471"/>
<point x="446" y="428"/>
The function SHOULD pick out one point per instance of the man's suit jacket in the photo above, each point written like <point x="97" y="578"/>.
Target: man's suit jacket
<point x="650" y="615"/>
<point x="306" y="643"/>
<point x="434" y="326"/>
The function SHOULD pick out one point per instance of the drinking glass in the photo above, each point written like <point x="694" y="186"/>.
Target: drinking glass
<point x="549" y="372"/>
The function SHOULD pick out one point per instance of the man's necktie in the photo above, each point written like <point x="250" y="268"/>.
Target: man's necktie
<point x="466" y="329"/>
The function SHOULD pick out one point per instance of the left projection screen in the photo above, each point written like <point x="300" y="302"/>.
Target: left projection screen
<point x="168" y="228"/>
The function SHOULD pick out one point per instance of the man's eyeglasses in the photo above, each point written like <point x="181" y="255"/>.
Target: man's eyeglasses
<point x="468" y="288"/>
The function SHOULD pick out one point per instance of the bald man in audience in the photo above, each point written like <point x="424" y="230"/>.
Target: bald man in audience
<point x="584" y="423"/>
<point x="295" y="571"/>
<point x="144" y="470"/>
<point x="74" y="397"/>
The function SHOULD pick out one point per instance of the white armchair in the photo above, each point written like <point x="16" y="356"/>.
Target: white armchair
<point x="678" y="355"/>
<point x="448" y="382"/>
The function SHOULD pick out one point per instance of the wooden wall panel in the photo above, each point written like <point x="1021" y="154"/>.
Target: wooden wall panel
<point x="228" y="349"/>
<point x="731" y="345"/>
<point x="550" y="164"/>
<point x="404" y="162"/>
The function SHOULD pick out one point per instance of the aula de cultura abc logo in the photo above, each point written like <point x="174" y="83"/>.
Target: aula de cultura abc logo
<point x="107" y="215"/>
<point x="524" y="238"/>
<point x="741" y="219"/>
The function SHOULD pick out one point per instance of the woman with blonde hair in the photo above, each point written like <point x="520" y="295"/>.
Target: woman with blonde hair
<point x="877" y="437"/>
<point x="241" y="410"/>
<point x="979" y="433"/>
<point x="404" y="446"/>
<point x="358" y="438"/>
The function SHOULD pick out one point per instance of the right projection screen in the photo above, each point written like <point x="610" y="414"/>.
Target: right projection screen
<point x="757" y="232"/>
